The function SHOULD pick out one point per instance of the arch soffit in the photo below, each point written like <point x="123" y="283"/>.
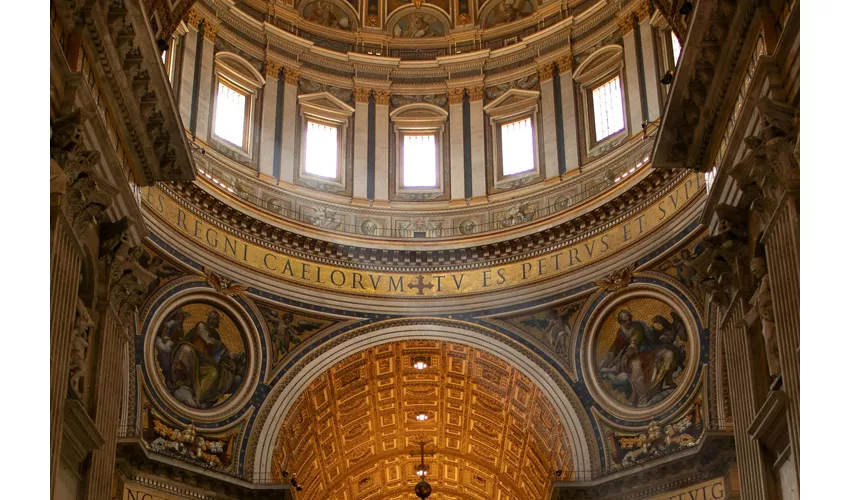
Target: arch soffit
<point x="240" y="69"/>
<point x="279" y="407"/>
<point x="395" y="16"/>
<point x="601" y="61"/>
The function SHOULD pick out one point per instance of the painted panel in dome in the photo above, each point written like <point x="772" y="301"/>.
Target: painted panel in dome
<point x="418" y="25"/>
<point x="327" y="14"/>
<point x="640" y="352"/>
<point x="508" y="11"/>
<point x="392" y="5"/>
<point x="200" y="353"/>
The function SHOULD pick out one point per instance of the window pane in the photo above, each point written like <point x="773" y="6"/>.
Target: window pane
<point x="608" y="109"/>
<point x="517" y="147"/>
<point x="321" y="156"/>
<point x="419" y="165"/>
<point x="230" y="115"/>
<point x="677" y="47"/>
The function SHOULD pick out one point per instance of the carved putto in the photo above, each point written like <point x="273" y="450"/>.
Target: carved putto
<point x="324" y="218"/>
<point x="81" y="336"/>
<point x="618" y="279"/>
<point x="762" y="311"/>
<point x="187" y="443"/>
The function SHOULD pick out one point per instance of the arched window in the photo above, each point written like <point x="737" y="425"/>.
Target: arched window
<point x="419" y="129"/>
<point x="235" y="95"/>
<point x="513" y="124"/>
<point x="324" y="128"/>
<point x="603" y="99"/>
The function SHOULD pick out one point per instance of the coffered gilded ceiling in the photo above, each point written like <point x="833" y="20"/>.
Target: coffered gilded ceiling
<point x="351" y="433"/>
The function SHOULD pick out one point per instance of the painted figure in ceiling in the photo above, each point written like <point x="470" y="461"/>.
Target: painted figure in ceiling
<point x="286" y="330"/>
<point x="642" y="361"/>
<point x="418" y="25"/>
<point x="508" y="11"/>
<point x="327" y="14"/>
<point x="198" y="367"/>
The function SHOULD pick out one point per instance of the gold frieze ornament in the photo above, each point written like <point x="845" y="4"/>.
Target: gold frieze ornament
<point x="456" y="95"/>
<point x="187" y="443"/>
<point x="193" y="19"/>
<point x="618" y="280"/>
<point x="291" y="76"/>
<point x="223" y="285"/>
<point x="476" y="92"/>
<point x="545" y="72"/>
<point x="418" y="3"/>
<point x="382" y="97"/>
<point x="361" y="95"/>
<point x="272" y="68"/>
<point x="210" y="31"/>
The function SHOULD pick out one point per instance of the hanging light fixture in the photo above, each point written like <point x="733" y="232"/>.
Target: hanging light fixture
<point x="420" y="362"/>
<point x="422" y="489"/>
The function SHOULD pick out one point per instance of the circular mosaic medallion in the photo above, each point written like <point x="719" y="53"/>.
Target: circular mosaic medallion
<point x="640" y="354"/>
<point x="467" y="227"/>
<point x="200" y="355"/>
<point x="369" y="227"/>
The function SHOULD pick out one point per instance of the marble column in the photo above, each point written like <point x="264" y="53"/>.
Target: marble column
<point x="568" y="114"/>
<point x="361" y="144"/>
<point x="477" y="144"/>
<point x="456" y="144"/>
<point x="651" y="72"/>
<point x="382" y="146"/>
<point x="203" y="125"/>
<point x="66" y="255"/>
<point x="631" y="85"/>
<point x="549" y="138"/>
<point x="289" y="125"/>
<point x="186" y="79"/>
<point x="269" y="120"/>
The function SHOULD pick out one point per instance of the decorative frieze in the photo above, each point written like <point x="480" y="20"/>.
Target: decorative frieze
<point x="476" y="92"/>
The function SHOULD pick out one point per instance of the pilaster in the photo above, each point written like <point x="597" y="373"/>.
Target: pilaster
<point x="269" y="119"/>
<point x="568" y="113"/>
<point x="186" y="78"/>
<point x="289" y="124"/>
<point x="456" y="143"/>
<point x="477" y="145"/>
<point x="631" y="85"/>
<point x="651" y="73"/>
<point x="203" y="125"/>
<point x="361" y="143"/>
<point x="549" y="137"/>
<point x="382" y="146"/>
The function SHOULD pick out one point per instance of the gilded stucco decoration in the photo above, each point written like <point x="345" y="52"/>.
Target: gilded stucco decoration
<point x="492" y="432"/>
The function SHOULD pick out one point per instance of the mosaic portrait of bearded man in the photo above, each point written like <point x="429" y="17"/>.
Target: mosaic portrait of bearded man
<point x="201" y="355"/>
<point x="641" y="355"/>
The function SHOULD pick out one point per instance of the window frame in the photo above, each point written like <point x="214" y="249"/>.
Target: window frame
<point x="592" y="108"/>
<point x="237" y="74"/>
<point x="419" y="119"/>
<point x="599" y="68"/>
<point x="324" y="109"/>
<point x="514" y="105"/>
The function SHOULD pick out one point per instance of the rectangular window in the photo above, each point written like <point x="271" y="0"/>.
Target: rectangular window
<point x="230" y="114"/>
<point x="419" y="161"/>
<point x="321" y="157"/>
<point x="677" y="47"/>
<point x="517" y="147"/>
<point x="608" y="109"/>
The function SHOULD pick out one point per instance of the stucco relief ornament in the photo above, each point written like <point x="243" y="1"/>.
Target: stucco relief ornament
<point x="618" y="279"/>
<point x="518" y="214"/>
<point x="223" y="285"/>
<point x="324" y="218"/>
<point x="762" y="310"/>
<point x="79" y="348"/>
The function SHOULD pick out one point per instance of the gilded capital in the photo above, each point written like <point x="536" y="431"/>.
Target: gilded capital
<point x="565" y="64"/>
<point x="272" y="68"/>
<point x="193" y="19"/>
<point x="626" y="24"/>
<point x="456" y="95"/>
<point x="210" y="31"/>
<point x="382" y="97"/>
<point x="372" y="21"/>
<point x="545" y="71"/>
<point x="291" y="76"/>
<point x="642" y="11"/>
<point x="476" y="92"/>
<point x="361" y="94"/>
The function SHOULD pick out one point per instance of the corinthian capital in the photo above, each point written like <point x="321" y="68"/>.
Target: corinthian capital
<point x="476" y="92"/>
<point x="291" y="76"/>
<point x="456" y="95"/>
<point x="361" y="94"/>
<point x="382" y="97"/>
